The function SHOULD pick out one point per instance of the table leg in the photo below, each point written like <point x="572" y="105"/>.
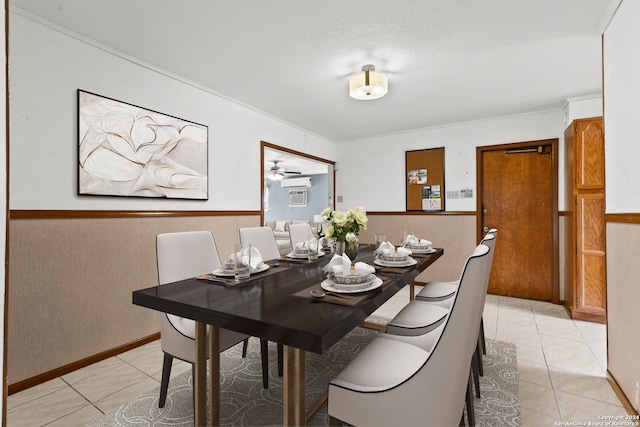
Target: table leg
<point x="294" y="386"/>
<point x="412" y="290"/>
<point x="214" y="376"/>
<point x="200" y="380"/>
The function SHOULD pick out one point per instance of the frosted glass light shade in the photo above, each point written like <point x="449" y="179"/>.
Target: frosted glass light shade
<point x="369" y="84"/>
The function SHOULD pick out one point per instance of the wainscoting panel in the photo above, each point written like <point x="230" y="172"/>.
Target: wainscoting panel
<point x="623" y="299"/>
<point x="455" y="233"/>
<point x="70" y="284"/>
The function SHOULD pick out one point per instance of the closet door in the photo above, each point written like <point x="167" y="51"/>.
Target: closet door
<point x="591" y="291"/>
<point x="589" y="154"/>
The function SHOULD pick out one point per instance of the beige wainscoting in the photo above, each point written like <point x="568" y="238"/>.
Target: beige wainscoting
<point x="456" y="233"/>
<point x="70" y="284"/>
<point x="623" y="300"/>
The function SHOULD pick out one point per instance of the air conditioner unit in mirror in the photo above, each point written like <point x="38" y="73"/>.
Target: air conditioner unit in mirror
<point x="297" y="198"/>
<point x="296" y="182"/>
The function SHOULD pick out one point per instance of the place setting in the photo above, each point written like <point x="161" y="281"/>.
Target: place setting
<point x="393" y="259"/>
<point x="306" y="251"/>
<point x="346" y="283"/>
<point x="419" y="247"/>
<point x="244" y="262"/>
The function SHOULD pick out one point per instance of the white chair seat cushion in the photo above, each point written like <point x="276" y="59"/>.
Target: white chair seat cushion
<point x="381" y="365"/>
<point x="417" y="318"/>
<point x="186" y="327"/>
<point x="425" y="341"/>
<point x="437" y="291"/>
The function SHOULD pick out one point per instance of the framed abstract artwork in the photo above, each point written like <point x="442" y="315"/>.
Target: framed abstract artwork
<point x="126" y="150"/>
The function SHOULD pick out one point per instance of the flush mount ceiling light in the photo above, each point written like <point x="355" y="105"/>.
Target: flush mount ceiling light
<point x="369" y="84"/>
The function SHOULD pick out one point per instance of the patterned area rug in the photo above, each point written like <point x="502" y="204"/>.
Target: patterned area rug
<point x="246" y="403"/>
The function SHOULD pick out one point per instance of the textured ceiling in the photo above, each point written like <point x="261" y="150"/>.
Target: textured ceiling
<point x="447" y="60"/>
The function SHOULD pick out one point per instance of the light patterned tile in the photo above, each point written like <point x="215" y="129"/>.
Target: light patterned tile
<point x="95" y="369"/>
<point x="127" y="394"/>
<point x="108" y="382"/>
<point x="571" y="356"/>
<point x="534" y="373"/>
<point x="80" y="417"/>
<point x="35" y="392"/>
<point x="46" y="409"/>
<point x="582" y="409"/>
<point x="596" y="388"/>
<point x="559" y="328"/>
<point x="150" y="363"/>
<point x="530" y="418"/>
<point x="518" y="333"/>
<point x="538" y="398"/>
<point x="530" y="353"/>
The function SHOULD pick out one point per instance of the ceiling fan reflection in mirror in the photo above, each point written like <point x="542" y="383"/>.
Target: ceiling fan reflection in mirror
<point x="276" y="173"/>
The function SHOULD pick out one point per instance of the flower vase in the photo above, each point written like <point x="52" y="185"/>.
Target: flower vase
<point x="345" y="248"/>
<point x="351" y="250"/>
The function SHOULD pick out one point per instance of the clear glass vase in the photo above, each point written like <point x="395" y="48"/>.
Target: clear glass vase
<point x="345" y="248"/>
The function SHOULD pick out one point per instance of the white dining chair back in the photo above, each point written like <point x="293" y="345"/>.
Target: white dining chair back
<point x="261" y="238"/>
<point x="422" y="387"/>
<point x="181" y="256"/>
<point x="299" y="233"/>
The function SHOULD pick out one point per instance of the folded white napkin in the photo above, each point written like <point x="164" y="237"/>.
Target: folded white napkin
<point x="413" y="240"/>
<point x="341" y="265"/>
<point x="387" y="248"/>
<point x="254" y="262"/>
<point x="312" y="244"/>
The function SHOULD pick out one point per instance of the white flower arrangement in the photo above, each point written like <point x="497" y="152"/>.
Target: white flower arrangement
<point x="344" y="226"/>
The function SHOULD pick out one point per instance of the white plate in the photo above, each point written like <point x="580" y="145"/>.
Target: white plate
<point x="305" y="256"/>
<point x="328" y="285"/>
<point x="423" y="251"/>
<point x="407" y="263"/>
<point x="229" y="273"/>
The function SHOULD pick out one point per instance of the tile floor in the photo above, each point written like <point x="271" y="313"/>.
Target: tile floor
<point x="561" y="364"/>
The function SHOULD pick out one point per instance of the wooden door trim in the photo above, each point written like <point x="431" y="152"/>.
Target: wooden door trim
<point x="555" y="265"/>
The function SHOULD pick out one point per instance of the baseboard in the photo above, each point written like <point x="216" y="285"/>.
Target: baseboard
<point x="63" y="370"/>
<point x="621" y="395"/>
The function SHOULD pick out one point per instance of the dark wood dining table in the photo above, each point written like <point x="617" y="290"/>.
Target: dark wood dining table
<point x="266" y="306"/>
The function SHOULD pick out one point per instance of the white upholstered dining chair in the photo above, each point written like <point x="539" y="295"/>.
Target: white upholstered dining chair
<point x="401" y="379"/>
<point x="299" y="233"/>
<point x="181" y="256"/>
<point x="261" y="238"/>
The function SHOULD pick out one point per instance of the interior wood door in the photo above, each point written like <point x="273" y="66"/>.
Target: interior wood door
<point x="517" y="198"/>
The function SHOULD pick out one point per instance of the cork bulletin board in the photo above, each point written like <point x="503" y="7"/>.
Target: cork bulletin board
<point x="425" y="180"/>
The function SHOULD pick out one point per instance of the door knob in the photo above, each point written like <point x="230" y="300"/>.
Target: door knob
<point x="485" y="211"/>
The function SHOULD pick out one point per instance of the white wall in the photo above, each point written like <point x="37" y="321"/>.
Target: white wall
<point x="622" y="151"/>
<point x="622" y="90"/>
<point x="383" y="168"/>
<point x="48" y="65"/>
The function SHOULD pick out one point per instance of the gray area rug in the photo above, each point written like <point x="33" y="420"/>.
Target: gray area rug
<point x="245" y="403"/>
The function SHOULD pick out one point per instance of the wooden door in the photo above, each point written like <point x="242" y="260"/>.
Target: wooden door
<point x="517" y="197"/>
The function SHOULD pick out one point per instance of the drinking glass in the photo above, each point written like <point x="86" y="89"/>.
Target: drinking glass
<point x="312" y="248"/>
<point x="404" y="233"/>
<point x="242" y="262"/>
<point x="380" y="238"/>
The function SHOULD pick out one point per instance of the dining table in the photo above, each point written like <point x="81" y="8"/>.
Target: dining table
<point x="275" y="305"/>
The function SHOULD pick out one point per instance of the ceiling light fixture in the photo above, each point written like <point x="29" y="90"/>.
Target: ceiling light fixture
<point x="369" y="84"/>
